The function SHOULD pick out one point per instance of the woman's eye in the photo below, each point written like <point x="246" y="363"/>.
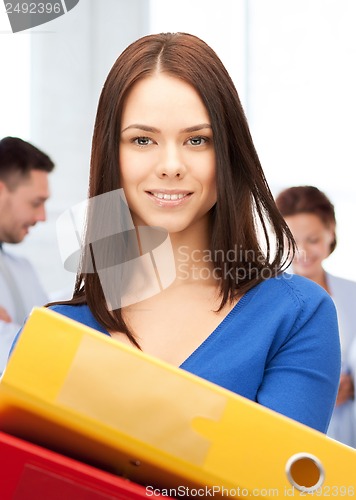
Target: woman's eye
<point x="142" y="141"/>
<point x="198" y="141"/>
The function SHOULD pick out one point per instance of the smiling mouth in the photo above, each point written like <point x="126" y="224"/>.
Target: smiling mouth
<point x="166" y="196"/>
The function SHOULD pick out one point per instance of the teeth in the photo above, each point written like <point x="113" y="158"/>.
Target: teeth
<point x="164" y="196"/>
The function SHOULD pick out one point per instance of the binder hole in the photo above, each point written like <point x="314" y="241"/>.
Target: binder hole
<point x="136" y="463"/>
<point x="305" y="472"/>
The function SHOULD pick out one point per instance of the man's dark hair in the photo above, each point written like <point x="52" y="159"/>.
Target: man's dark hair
<point x="18" y="158"/>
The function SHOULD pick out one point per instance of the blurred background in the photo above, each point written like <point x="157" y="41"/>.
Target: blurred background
<point x="293" y="63"/>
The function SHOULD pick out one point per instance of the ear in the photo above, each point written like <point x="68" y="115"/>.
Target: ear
<point x="332" y="229"/>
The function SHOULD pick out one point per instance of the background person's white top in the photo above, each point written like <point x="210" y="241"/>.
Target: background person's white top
<point x="32" y="294"/>
<point x="352" y="360"/>
<point x="343" y="422"/>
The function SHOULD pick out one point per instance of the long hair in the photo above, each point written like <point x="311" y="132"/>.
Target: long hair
<point x="244" y="201"/>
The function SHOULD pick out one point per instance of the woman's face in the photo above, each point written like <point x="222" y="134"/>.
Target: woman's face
<point x="313" y="240"/>
<point x="167" y="157"/>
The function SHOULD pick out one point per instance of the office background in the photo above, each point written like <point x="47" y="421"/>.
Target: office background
<point x="293" y="63"/>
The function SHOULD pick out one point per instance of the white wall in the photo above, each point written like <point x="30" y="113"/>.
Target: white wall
<point x="293" y="63"/>
<point x="303" y="106"/>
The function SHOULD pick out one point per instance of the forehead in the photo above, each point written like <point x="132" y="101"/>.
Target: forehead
<point x="305" y="222"/>
<point x="158" y="95"/>
<point x="36" y="184"/>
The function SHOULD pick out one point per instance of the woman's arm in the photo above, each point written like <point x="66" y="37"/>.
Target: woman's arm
<point x="302" y="378"/>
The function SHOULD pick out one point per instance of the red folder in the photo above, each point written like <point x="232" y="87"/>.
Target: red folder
<point x="30" y="472"/>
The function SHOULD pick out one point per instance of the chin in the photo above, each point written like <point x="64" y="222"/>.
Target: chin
<point x="169" y="226"/>
<point x="15" y="239"/>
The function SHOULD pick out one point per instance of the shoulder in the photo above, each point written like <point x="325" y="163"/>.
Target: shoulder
<point x="80" y="313"/>
<point x="15" y="260"/>
<point x="292" y="302"/>
<point x="291" y="288"/>
<point x="287" y="304"/>
<point x="27" y="277"/>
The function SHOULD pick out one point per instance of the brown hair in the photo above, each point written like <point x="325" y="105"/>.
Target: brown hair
<point x="18" y="158"/>
<point x="243" y="196"/>
<point x="307" y="200"/>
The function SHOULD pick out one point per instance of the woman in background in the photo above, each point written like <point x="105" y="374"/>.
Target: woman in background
<point x="311" y="217"/>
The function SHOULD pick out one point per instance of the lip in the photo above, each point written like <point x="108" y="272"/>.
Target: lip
<point x="161" y="202"/>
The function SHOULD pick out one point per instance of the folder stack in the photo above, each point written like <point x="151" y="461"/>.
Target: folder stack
<point x="79" y="393"/>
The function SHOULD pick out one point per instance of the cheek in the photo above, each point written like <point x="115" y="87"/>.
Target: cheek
<point x="129" y="174"/>
<point x="320" y="251"/>
<point x="22" y="210"/>
<point x="126" y="166"/>
<point x="213" y="193"/>
<point x="326" y="249"/>
<point x="209" y="177"/>
<point x="324" y="246"/>
<point x="209" y="190"/>
<point x="134" y="168"/>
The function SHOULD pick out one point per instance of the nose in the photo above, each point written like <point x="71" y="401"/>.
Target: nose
<point x="41" y="213"/>
<point x="171" y="164"/>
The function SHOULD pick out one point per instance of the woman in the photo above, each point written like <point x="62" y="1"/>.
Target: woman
<point x="170" y="131"/>
<point x="311" y="217"/>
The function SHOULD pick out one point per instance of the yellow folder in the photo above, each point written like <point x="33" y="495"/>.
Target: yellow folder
<point x="79" y="392"/>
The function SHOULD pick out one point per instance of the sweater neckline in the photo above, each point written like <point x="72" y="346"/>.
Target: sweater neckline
<point x="222" y="325"/>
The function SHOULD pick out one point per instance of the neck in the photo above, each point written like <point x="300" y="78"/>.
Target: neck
<point x="320" y="279"/>
<point x="193" y="257"/>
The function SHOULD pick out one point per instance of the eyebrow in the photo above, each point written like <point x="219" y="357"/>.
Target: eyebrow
<point x="146" y="128"/>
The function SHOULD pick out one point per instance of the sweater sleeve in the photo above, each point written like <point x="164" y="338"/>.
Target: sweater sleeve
<point x="302" y="373"/>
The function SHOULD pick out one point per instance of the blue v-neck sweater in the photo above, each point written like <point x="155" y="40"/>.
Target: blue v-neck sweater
<point x="279" y="346"/>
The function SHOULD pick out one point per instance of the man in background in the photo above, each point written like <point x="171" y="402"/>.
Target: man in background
<point x="24" y="190"/>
